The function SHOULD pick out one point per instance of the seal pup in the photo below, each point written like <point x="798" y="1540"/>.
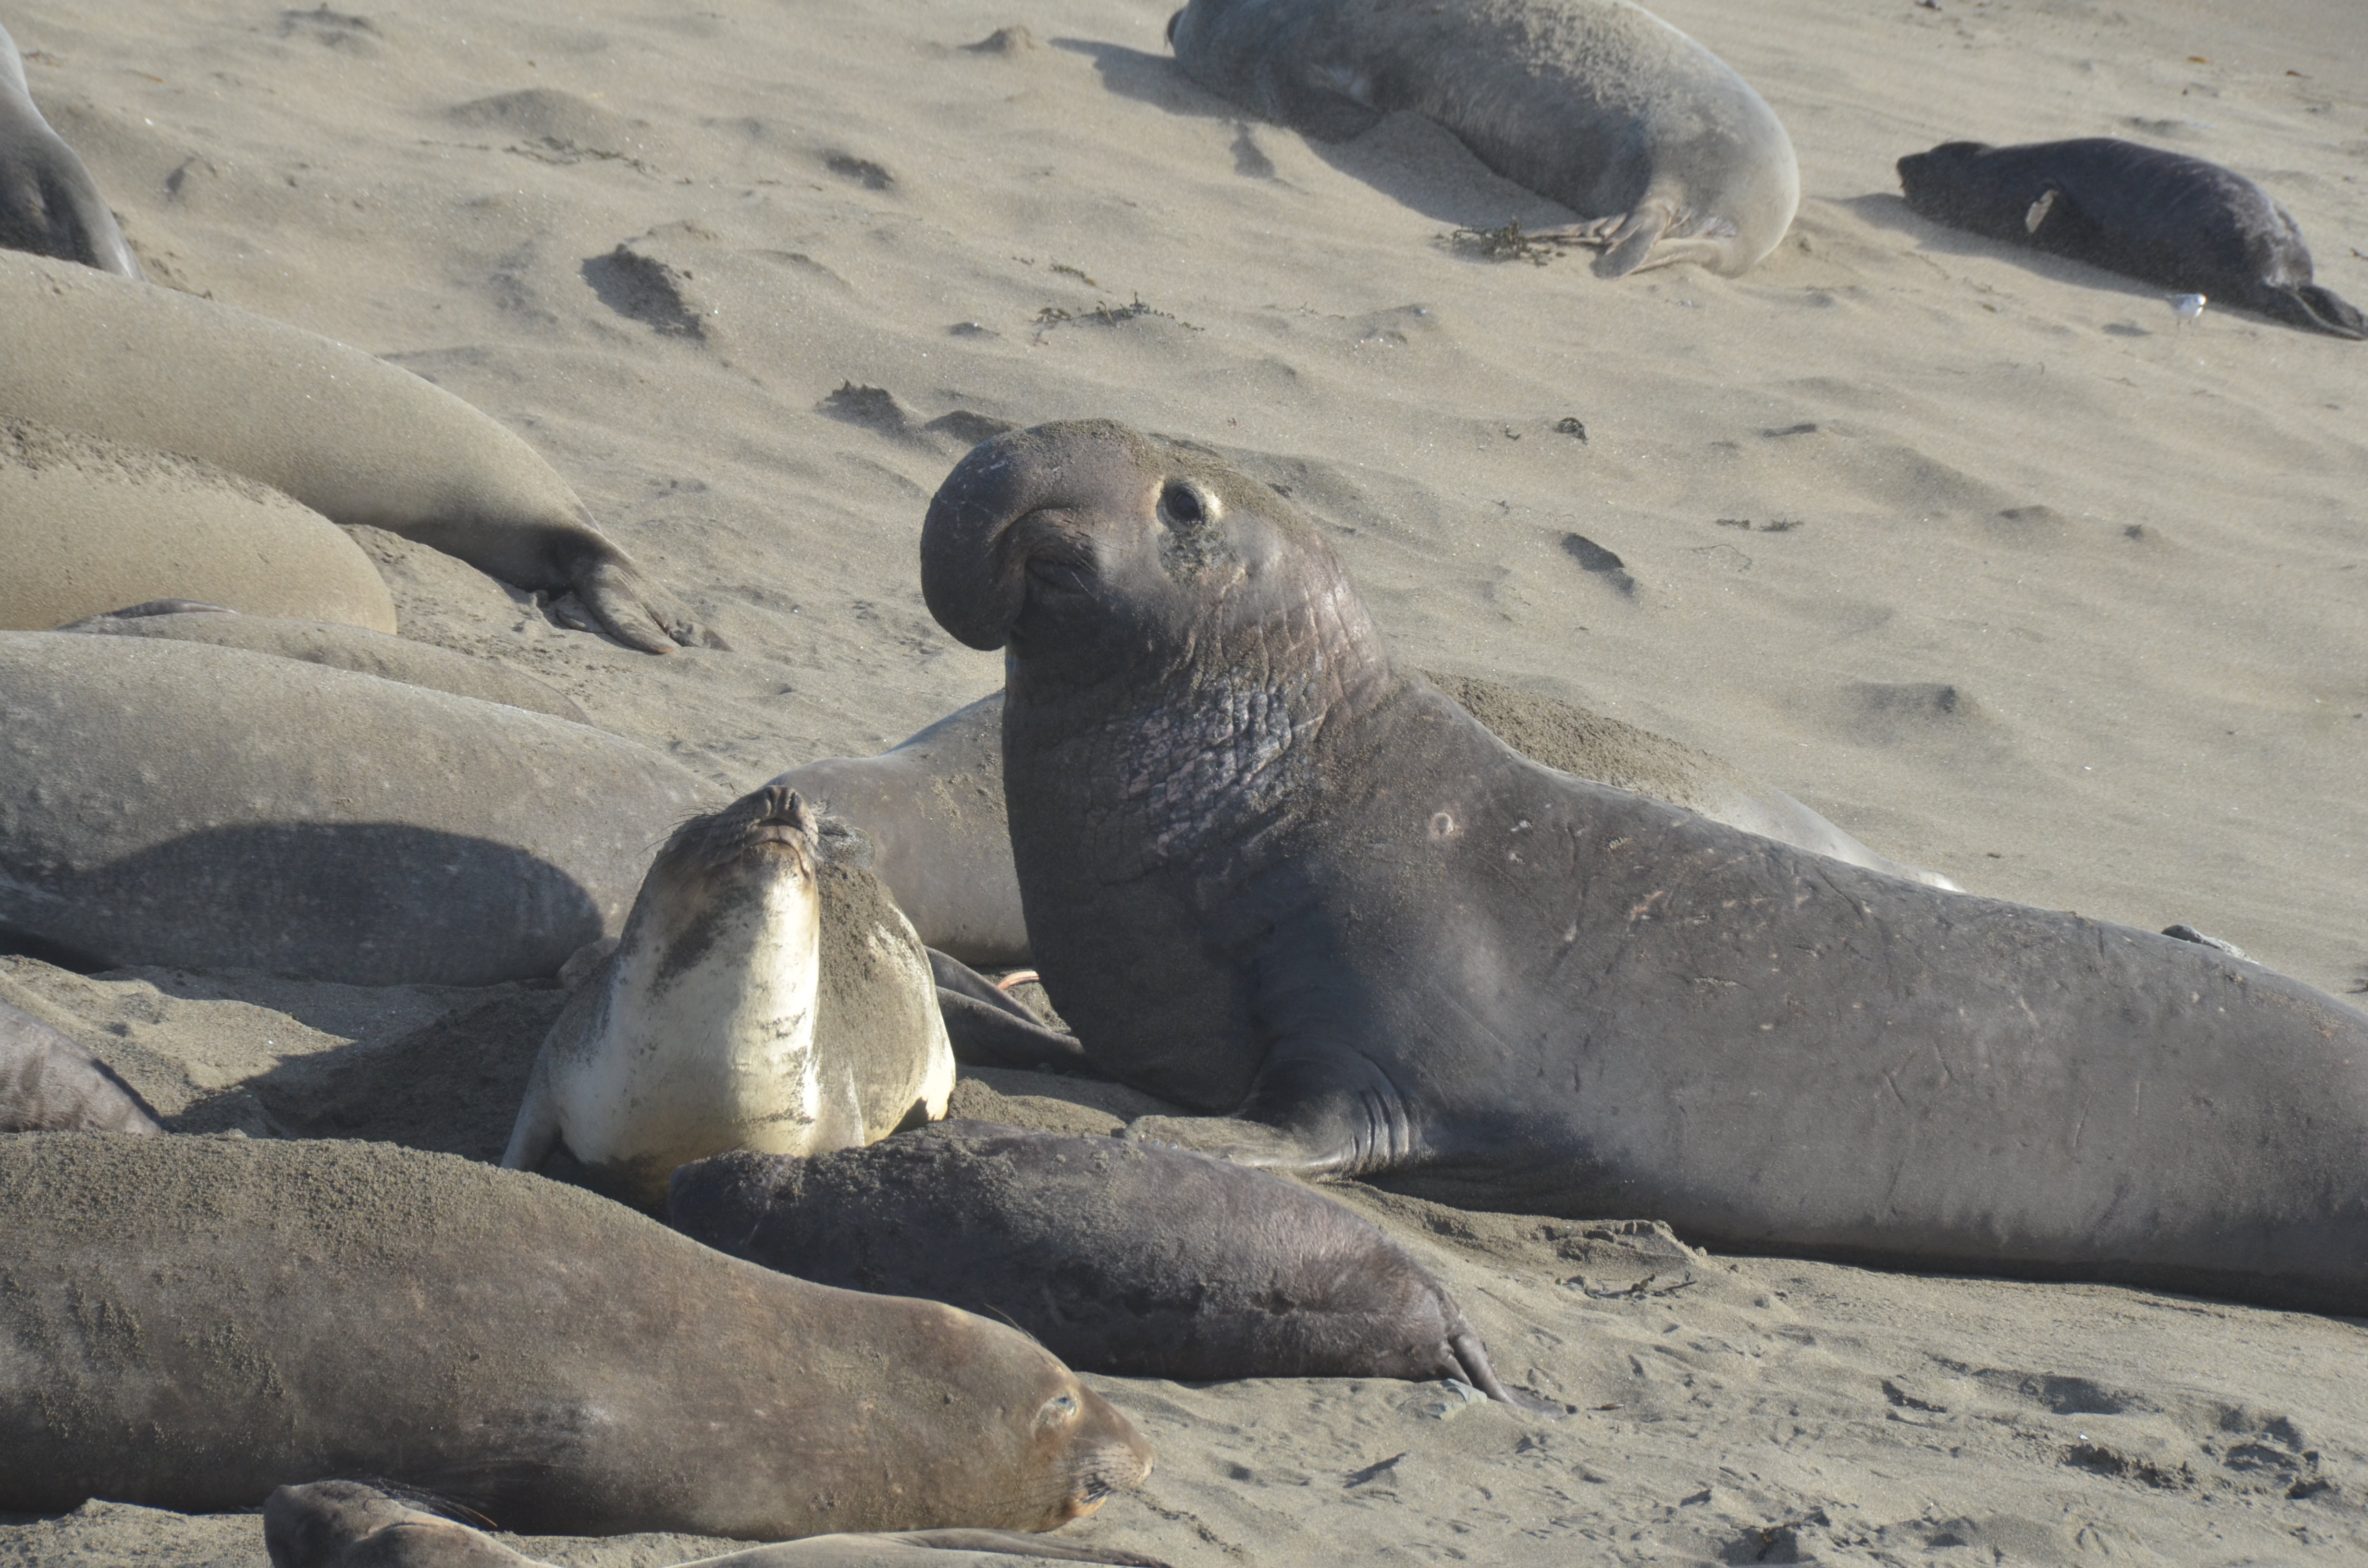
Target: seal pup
<point x="1119" y="1257"/>
<point x="48" y="203"/>
<point x="357" y="439"/>
<point x="89" y="524"/>
<point x="1268" y="873"/>
<point x="1665" y="153"/>
<point x="708" y="1027"/>
<point x="191" y="1322"/>
<point x="47" y="1083"/>
<point x="166" y="802"/>
<point x="2164" y="218"/>
<point x="346" y="1523"/>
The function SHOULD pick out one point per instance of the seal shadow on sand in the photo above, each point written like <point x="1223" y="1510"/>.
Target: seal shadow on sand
<point x="1414" y="161"/>
<point x="1886" y="209"/>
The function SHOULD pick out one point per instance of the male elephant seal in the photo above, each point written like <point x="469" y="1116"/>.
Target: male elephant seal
<point x="2163" y="217"/>
<point x="346" y="1523"/>
<point x="1268" y="873"/>
<point x="211" y="808"/>
<point x="1666" y="152"/>
<point x="190" y="1322"/>
<point x="47" y="1083"/>
<point x="89" y="524"/>
<point x="48" y="203"/>
<point x="357" y="439"/>
<point x="766" y="994"/>
<point x="1117" y="1258"/>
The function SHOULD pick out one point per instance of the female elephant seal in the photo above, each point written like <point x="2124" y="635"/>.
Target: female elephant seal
<point x="48" y="203"/>
<point x="358" y="440"/>
<point x="190" y="1322"/>
<point x="1268" y="873"/>
<point x="346" y="1523"/>
<point x="2163" y="217"/>
<point x="1654" y="140"/>
<point x="766" y="994"/>
<point x="47" y="1083"/>
<point x="1117" y="1258"/>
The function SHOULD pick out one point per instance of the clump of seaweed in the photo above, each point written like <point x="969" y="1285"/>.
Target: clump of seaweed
<point x="1510" y="243"/>
<point x="1103" y="314"/>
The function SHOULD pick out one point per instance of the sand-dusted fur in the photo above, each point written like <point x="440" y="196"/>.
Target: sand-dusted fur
<point x="48" y="203"/>
<point x="357" y="439"/>
<point x="191" y="1322"/>
<point x="707" y="1029"/>
<point x="1666" y="152"/>
<point x="1268" y="873"/>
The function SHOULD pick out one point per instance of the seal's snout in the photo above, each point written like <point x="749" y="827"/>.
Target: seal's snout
<point x="1111" y="1455"/>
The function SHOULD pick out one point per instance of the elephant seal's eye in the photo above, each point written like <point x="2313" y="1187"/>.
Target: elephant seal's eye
<point x="1182" y="505"/>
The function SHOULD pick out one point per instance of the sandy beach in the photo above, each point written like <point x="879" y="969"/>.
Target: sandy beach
<point x="1980" y="553"/>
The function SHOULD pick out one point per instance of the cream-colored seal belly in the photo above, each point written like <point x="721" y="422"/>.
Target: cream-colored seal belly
<point x="766" y="994"/>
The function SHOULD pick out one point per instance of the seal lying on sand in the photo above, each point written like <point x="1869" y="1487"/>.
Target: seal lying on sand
<point x="47" y="1083"/>
<point x="2163" y="217"/>
<point x="48" y="203"/>
<point x="167" y="802"/>
<point x="1268" y="873"/>
<point x="766" y="994"/>
<point x="88" y="525"/>
<point x="1117" y="1258"/>
<point x="358" y="440"/>
<point x="1603" y="106"/>
<point x="345" y="1524"/>
<point x="340" y="648"/>
<point x="193" y="1322"/>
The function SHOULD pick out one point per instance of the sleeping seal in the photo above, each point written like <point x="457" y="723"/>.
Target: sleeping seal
<point x="48" y="203"/>
<point x="358" y="440"/>
<point x="191" y="1322"/>
<point x="1653" y="141"/>
<point x="1268" y="873"/>
<point x="2163" y="217"/>
<point x="1116" y="1257"/>
<point x="47" y="1083"/>
<point x="766" y="994"/>
<point x="89" y="524"/>
<point x="346" y="1524"/>
<point x="165" y="802"/>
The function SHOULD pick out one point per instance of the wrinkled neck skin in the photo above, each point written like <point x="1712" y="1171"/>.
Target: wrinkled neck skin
<point x="1204" y="755"/>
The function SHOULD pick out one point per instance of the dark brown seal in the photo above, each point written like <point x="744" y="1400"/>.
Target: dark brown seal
<point x="1268" y="873"/>
<point x="2161" y="217"/>
<point x="1117" y="1256"/>
<point x="190" y="1322"/>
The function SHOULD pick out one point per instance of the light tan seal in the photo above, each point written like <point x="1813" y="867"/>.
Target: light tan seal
<point x="358" y="440"/>
<point x="48" y="203"/>
<point x="766" y="994"/>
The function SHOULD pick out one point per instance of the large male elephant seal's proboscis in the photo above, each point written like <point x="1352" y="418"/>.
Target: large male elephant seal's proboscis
<point x="210" y="808"/>
<point x="1653" y="141"/>
<point x="191" y="1322"/>
<point x="358" y="440"/>
<point x="1268" y="873"/>
<point x="766" y="995"/>
<point x="2161" y="217"/>
<point x="47" y="1083"/>
<point x="1117" y="1256"/>
<point x="346" y="1524"/>
<point x="89" y="524"/>
<point x="48" y="203"/>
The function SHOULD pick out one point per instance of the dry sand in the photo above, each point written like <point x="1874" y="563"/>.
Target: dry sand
<point x="1970" y="549"/>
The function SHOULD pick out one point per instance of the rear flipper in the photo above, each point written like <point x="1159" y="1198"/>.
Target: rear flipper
<point x="1473" y="1356"/>
<point x="990" y="1029"/>
<point x="2327" y="312"/>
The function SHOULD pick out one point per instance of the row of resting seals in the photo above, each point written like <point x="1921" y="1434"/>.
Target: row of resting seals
<point x="2164" y="218"/>
<point x="47" y="1083"/>
<point x="192" y="1323"/>
<point x="1117" y="1256"/>
<point x="1273" y="877"/>
<point x="48" y="203"/>
<point x="167" y="802"/>
<point x="348" y="1524"/>
<point x="766" y="994"/>
<point x="97" y="525"/>
<point x="338" y="647"/>
<point x="357" y="439"/>
<point x="1662" y="149"/>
